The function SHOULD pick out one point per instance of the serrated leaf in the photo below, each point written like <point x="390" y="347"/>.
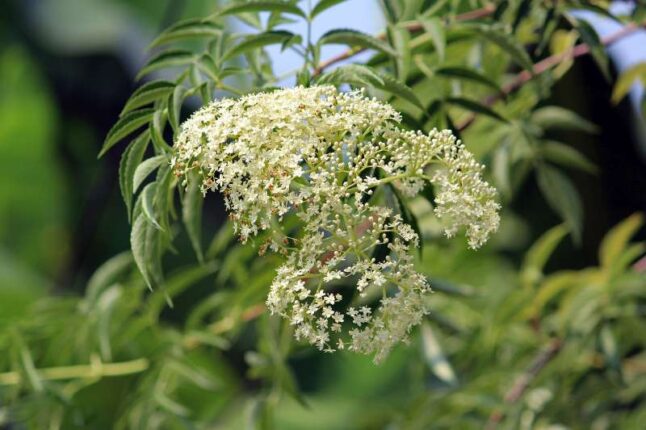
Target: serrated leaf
<point x="540" y="252"/>
<point x="260" y="6"/>
<point x="146" y="168"/>
<point x="475" y="107"/>
<point x="564" y="155"/>
<point x="156" y="129"/>
<point x="322" y="6"/>
<point x="352" y="74"/>
<point x="166" y="59"/>
<point x="616" y="240"/>
<point x="147" y="93"/>
<point x="147" y="203"/>
<point x="597" y="50"/>
<point x="561" y="43"/>
<point x="500" y="169"/>
<point x="435" y="358"/>
<point x="400" y="89"/>
<point x="164" y="194"/>
<point x="192" y="216"/>
<point x="354" y="38"/>
<point x="138" y="245"/>
<point x="626" y="81"/>
<point x="562" y="196"/>
<point x="508" y="44"/>
<point x="259" y="40"/>
<point x="124" y="126"/>
<point x="107" y="274"/>
<point x="175" y="101"/>
<point x="130" y="159"/>
<point x="399" y="38"/>
<point x="188" y="29"/>
<point x="435" y="28"/>
<point x="558" y="118"/>
<point x="465" y="73"/>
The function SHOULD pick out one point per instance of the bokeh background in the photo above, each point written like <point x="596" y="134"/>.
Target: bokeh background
<point x="68" y="66"/>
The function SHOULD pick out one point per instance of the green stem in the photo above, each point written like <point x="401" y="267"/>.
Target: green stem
<point x="96" y="369"/>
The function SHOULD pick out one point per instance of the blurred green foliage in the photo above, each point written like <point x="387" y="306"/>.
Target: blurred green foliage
<point x="515" y="337"/>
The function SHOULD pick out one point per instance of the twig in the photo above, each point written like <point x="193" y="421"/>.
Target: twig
<point x="523" y="381"/>
<point x="544" y="65"/>
<point x="96" y="369"/>
<point x="413" y="26"/>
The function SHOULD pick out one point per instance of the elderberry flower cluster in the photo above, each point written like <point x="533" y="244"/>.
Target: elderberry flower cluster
<point x="327" y="156"/>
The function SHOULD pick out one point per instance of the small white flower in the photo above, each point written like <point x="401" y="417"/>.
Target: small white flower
<point x="316" y="152"/>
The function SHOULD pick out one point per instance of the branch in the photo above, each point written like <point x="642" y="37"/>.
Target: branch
<point x="546" y="64"/>
<point x="413" y="26"/>
<point x="96" y="369"/>
<point x="523" y="381"/>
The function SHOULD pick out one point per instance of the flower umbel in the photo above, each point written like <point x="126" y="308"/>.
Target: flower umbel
<point x="323" y="154"/>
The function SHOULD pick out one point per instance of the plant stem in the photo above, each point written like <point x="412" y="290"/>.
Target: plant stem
<point x="523" y="382"/>
<point x="546" y="64"/>
<point x="96" y="369"/>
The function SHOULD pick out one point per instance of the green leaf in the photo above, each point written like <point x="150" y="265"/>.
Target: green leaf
<point x="192" y="216"/>
<point x="609" y="347"/>
<point x="146" y="168"/>
<point x="188" y="29"/>
<point x="564" y="155"/>
<point x="322" y="6"/>
<point x="258" y="41"/>
<point x="558" y="118"/>
<point x="175" y="101"/>
<point x="465" y="73"/>
<point x="147" y="93"/>
<point x="139" y="246"/>
<point x="260" y="6"/>
<point x="147" y="206"/>
<point x="597" y="50"/>
<point x="562" y="197"/>
<point x="130" y="159"/>
<point x="435" y="28"/>
<point x="107" y="274"/>
<point x="164" y="194"/>
<point x="400" y="89"/>
<point x="126" y="125"/>
<point x="507" y="43"/>
<point x="356" y="74"/>
<point x="399" y="38"/>
<point x="626" y="81"/>
<point x="616" y="240"/>
<point x="476" y="107"/>
<point x="156" y="129"/>
<point x="166" y="59"/>
<point x="540" y="252"/>
<point x="354" y="38"/>
<point x="435" y="358"/>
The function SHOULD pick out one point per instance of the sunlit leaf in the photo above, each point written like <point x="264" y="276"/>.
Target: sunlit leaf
<point x="260" y="6"/>
<point x="167" y="59"/>
<point x="355" y="38"/>
<point x="323" y="5"/>
<point x="126" y="125"/>
<point x="188" y="29"/>
<point x="616" y="240"/>
<point x="147" y="93"/>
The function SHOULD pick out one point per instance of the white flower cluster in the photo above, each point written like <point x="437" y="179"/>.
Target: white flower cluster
<point x="323" y="154"/>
